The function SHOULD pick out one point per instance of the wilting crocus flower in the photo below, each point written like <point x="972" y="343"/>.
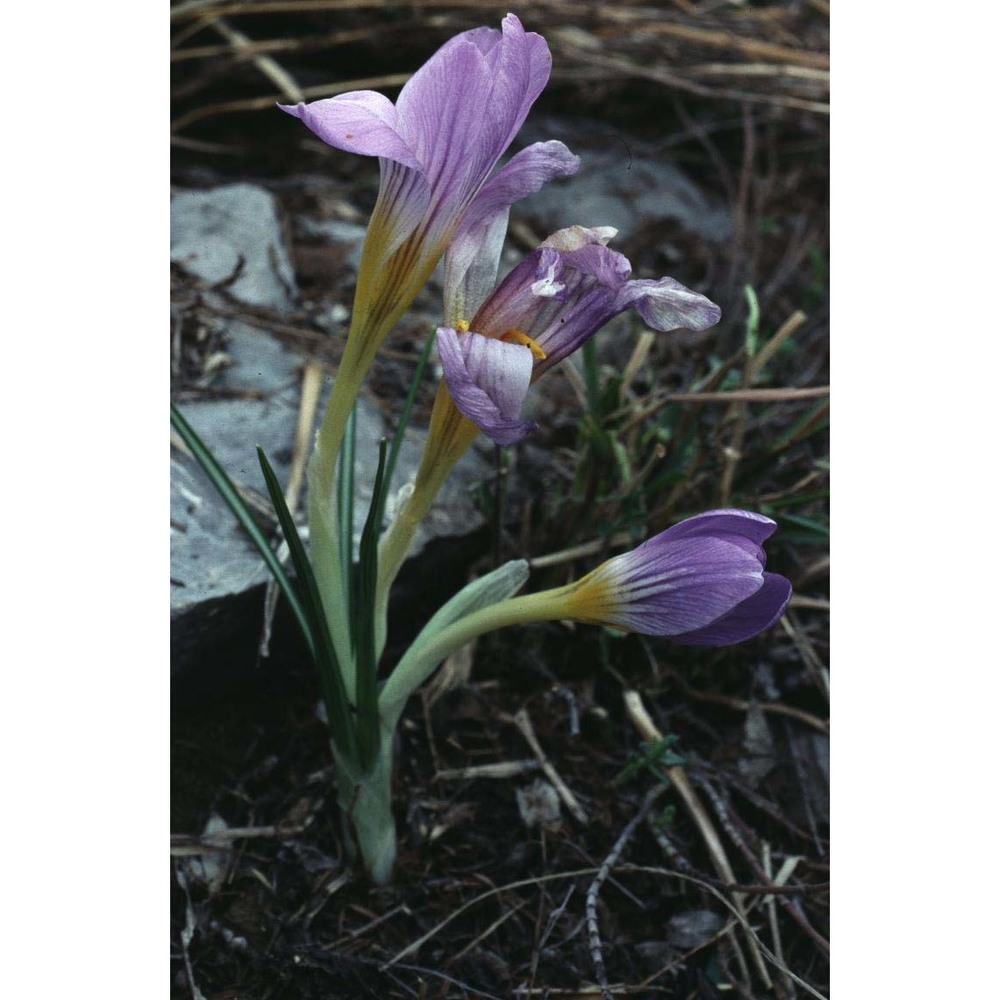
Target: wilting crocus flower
<point x="546" y="308"/>
<point x="437" y="146"/>
<point x="701" y="582"/>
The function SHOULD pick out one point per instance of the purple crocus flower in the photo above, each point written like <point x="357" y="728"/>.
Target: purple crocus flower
<point x="701" y="582"/>
<point x="437" y="146"/>
<point x="547" y="307"/>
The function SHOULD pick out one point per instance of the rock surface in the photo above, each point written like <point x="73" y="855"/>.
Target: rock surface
<point x="622" y="182"/>
<point x="212" y="231"/>
<point x="214" y="569"/>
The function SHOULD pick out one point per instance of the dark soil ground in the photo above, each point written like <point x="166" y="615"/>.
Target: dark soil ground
<point x="483" y="905"/>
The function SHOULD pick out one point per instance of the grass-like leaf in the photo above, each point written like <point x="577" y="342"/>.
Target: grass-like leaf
<point x="338" y="710"/>
<point x="364" y="618"/>
<point x="229" y="493"/>
<point x="345" y="512"/>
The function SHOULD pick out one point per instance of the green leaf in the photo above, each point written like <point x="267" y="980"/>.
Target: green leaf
<point x="364" y="619"/>
<point x="411" y="671"/>
<point x="345" y="511"/>
<point x="229" y="493"/>
<point x="331" y="681"/>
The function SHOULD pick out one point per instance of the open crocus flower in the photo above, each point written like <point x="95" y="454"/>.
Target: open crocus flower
<point x="701" y="582"/>
<point x="437" y="146"/>
<point x="547" y="307"/>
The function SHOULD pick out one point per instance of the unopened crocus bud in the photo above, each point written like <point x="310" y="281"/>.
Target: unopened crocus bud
<point x="701" y="582"/>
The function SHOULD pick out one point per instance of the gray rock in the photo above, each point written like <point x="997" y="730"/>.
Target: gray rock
<point x="210" y="231"/>
<point x="622" y="182"/>
<point x="214" y="568"/>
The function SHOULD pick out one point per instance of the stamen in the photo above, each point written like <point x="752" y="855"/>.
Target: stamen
<point x="516" y="337"/>
<point x="462" y="326"/>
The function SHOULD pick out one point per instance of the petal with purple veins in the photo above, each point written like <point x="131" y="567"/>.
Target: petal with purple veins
<point x="670" y="586"/>
<point x="665" y="304"/>
<point x="363" y="122"/>
<point x="747" y="619"/>
<point x="488" y="380"/>
<point x="474" y="253"/>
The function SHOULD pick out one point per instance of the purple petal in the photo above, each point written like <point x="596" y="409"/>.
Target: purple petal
<point x="523" y="70"/>
<point x="462" y="108"/>
<point x="525" y="173"/>
<point x="488" y="380"/>
<point x="474" y="252"/>
<point x="665" y="304"/>
<point x="672" y="586"/>
<point x="732" y="521"/>
<point x="747" y="619"/>
<point x="362" y="121"/>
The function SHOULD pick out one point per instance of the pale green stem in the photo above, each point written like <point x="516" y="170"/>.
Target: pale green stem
<point x="365" y="802"/>
<point x="422" y="659"/>
<point x="448" y="439"/>
<point x="324" y="534"/>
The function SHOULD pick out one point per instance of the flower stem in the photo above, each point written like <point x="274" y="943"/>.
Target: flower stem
<point x="422" y="659"/>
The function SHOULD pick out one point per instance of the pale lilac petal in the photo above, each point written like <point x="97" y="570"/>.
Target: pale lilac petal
<point x="747" y="619"/>
<point x="525" y="173"/>
<point x="463" y="107"/>
<point x="605" y="266"/>
<point x="488" y="380"/>
<point x="665" y="304"/>
<point x="474" y="253"/>
<point x="470" y="266"/>
<point x="362" y="121"/>
<point x="523" y="70"/>
<point x="440" y="115"/>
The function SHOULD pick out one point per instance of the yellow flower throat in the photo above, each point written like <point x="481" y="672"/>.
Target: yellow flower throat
<point x="511" y="337"/>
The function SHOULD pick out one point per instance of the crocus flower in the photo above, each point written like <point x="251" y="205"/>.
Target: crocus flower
<point x="701" y="582"/>
<point x="547" y="307"/>
<point x="437" y="147"/>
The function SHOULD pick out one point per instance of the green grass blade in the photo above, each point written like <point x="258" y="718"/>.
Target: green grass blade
<point x="228" y="492"/>
<point x="345" y="511"/>
<point x="808" y="523"/>
<point x="331" y="682"/>
<point x="366" y="683"/>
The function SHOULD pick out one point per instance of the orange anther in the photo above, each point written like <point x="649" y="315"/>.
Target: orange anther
<point x="516" y="337"/>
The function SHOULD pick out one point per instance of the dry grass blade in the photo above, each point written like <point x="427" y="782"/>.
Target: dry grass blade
<point x="523" y="722"/>
<point x="260" y="103"/>
<point x="674" y="81"/>
<point x="596" y="954"/>
<point x="312" y="382"/>
<point x="679" y="779"/>
<point x="415" y="946"/>
<point x="274" y="72"/>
